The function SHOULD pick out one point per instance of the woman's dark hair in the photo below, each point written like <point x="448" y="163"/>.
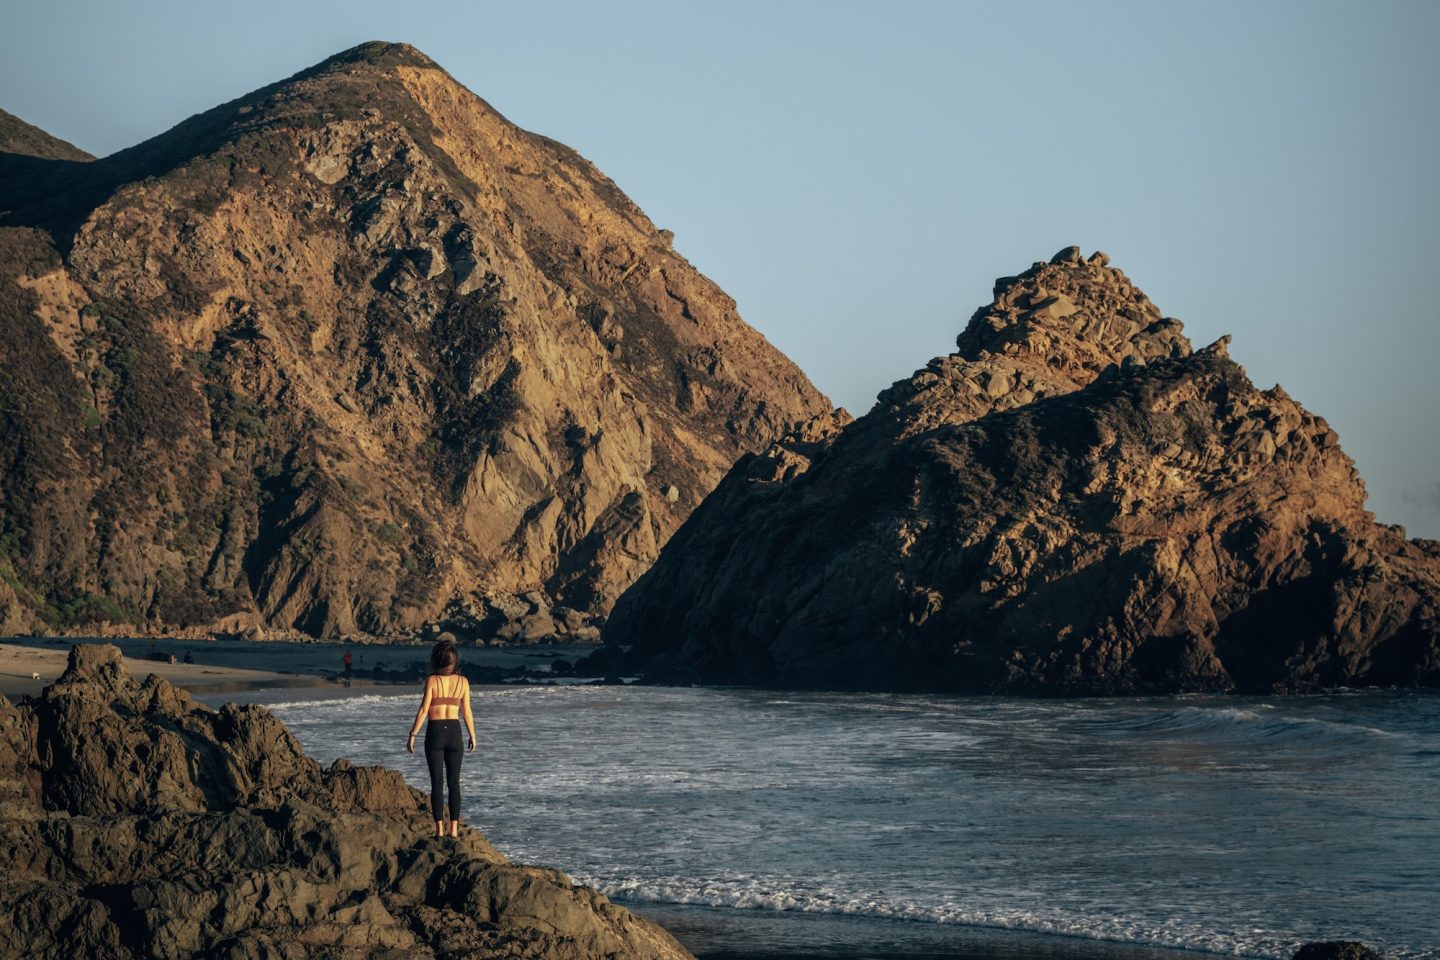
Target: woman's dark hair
<point x="444" y="658"/>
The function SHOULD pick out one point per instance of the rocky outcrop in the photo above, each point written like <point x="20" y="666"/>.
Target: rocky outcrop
<point x="347" y="356"/>
<point x="1336" y="950"/>
<point x="137" y="823"/>
<point x="1073" y="502"/>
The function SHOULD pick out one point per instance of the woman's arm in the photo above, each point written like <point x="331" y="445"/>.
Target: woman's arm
<point x="420" y="716"/>
<point x="469" y="717"/>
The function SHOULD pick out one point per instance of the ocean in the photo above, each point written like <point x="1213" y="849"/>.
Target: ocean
<point x="759" y="823"/>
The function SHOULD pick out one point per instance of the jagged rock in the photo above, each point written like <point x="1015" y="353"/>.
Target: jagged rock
<point x="536" y="626"/>
<point x="1073" y="502"/>
<point x="507" y="606"/>
<point x="135" y="822"/>
<point x="333" y="354"/>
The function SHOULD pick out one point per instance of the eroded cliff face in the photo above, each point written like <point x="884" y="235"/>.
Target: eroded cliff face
<point x="138" y="823"/>
<point x="1073" y="502"/>
<point x="346" y="356"/>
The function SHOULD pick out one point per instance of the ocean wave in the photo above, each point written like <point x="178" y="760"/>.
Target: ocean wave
<point x="356" y="704"/>
<point x="759" y="895"/>
<point x="1259" y="722"/>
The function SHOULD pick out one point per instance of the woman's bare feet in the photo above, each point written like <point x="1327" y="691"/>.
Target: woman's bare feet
<point x="454" y="829"/>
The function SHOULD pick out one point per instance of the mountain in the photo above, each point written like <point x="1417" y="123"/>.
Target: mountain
<point x="1073" y="502"/>
<point x="351" y="355"/>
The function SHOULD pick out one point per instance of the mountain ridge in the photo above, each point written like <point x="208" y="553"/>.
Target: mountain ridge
<point x="18" y="138"/>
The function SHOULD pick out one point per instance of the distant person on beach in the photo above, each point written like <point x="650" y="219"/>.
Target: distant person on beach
<point x="447" y="699"/>
<point x="349" y="663"/>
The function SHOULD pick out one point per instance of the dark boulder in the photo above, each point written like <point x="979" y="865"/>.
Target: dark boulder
<point x="1336" y="950"/>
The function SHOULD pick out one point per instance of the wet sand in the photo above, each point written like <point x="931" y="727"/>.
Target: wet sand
<point x="713" y="933"/>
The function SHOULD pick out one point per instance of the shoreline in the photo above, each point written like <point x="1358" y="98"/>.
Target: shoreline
<point x="222" y="666"/>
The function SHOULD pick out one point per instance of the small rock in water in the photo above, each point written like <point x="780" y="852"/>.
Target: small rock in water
<point x="1336" y="950"/>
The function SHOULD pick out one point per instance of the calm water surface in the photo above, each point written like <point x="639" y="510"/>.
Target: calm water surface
<point x="1238" y="826"/>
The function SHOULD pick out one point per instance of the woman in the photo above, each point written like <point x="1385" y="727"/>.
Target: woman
<point x="447" y="698"/>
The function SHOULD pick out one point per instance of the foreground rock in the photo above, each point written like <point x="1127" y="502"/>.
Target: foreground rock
<point x="1073" y="502"/>
<point x="137" y="823"/>
<point x="346" y="356"/>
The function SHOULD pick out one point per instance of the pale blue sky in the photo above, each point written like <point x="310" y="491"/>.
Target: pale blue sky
<point x="856" y="175"/>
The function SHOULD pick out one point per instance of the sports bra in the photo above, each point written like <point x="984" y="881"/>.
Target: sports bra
<point x="461" y="688"/>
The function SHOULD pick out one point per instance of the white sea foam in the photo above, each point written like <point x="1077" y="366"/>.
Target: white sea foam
<point x="753" y="894"/>
<point x="760" y="894"/>
<point x="361" y="703"/>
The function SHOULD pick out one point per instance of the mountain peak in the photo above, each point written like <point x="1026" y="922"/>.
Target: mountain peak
<point x="377" y="56"/>
<point x="383" y="52"/>
<point x="1082" y="312"/>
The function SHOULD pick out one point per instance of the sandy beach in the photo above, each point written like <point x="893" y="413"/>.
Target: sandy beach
<point x="20" y="666"/>
<point x="223" y="666"/>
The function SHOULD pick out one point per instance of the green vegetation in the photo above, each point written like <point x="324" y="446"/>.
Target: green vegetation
<point x="89" y="607"/>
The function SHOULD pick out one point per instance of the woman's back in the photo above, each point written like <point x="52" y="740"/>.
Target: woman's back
<point x="447" y="692"/>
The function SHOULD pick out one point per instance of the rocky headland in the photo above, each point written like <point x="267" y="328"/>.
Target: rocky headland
<point x="352" y="355"/>
<point x="138" y="823"/>
<point x="1074" y="502"/>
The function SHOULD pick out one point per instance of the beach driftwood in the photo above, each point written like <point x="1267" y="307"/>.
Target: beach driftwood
<point x="135" y="822"/>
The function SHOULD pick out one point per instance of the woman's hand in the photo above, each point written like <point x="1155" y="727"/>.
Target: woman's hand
<point x="410" y="743"/>
<point x="471" y="747"/>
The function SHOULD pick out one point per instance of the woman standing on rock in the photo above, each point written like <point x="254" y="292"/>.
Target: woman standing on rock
<point x="447" y="698"/>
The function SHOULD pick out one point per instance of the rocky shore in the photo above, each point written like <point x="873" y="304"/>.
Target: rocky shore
<point x="139" y="823"/>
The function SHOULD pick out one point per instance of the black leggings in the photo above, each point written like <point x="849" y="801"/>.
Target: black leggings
<point x="443" y="751"/>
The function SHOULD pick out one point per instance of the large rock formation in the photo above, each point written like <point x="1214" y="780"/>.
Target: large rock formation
<point x="345" y="356"/>
<point x="137" y="823"/>
<point x="1073" y="502"/>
